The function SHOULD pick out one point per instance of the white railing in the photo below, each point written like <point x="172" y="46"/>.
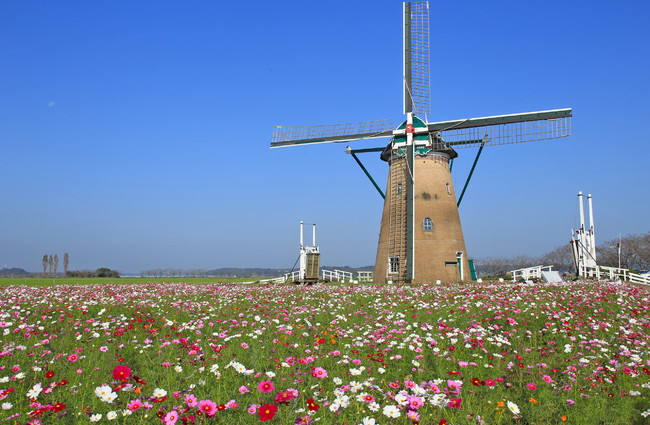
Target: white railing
<point x="530" y="272"/>
<point x="337" y="275"/>
<point x="365" y="276"/>
<point x="614" y="273"/>
<point x="293" y="276"/>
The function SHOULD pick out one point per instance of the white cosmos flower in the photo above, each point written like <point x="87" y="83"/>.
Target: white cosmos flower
<point x="373" y="406"/>
<point x="96" y="417"/>
<point x="401" y="399"/>
<point x="103" y="390"/>
<point x="109" y="397"/>
<point x="7" y="406"/>
<point x="111" y="415"/>
<point x="368" y="421"/>
<point x="513" y="408"/>
<point x="391" y="411"/>
<point x="159" y="393"/>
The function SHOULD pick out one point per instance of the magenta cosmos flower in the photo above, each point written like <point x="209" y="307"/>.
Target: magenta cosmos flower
<point x="266" y="386"/>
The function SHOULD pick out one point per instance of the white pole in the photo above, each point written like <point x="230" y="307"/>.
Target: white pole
<point x="582" y="239"/>
<point x="582" y="212"/>
<point x="592" y="231"/>
<point x="619" y="250"/>
<point x="314" y="235"/>
<point x="301" y="234"/>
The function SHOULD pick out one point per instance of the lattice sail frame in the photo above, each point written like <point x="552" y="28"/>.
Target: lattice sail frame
<point x="516" y="128"/>
<point x="508" y="134"/>
<point x="301" y="134"/>
<point x="417" y="87"/>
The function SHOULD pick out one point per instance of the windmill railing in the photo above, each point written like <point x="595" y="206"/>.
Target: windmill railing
<point x="615" y="273"/>
<point x="530" y="272"/>
<point x="337" y="275"/>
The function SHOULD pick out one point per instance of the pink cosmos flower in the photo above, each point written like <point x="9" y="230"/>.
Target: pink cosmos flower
<point x="72" y="358"/>
<point x="368" y="398"/>
<point x="414" y="402"/>
<point x="252" y="409"/>
<point x="532" y="386"/>
<point x="208" y="407"/>
<point x="454" y="385"/>
<point x="244" y="345"/>
<point x="266" y="386"/>
<point x="413" y="415"/>
<point x="243" y="389"/>
<point x="454" y="403"/>
<point x="170" y="418"/>
<point x="190" y="400"/>
<point x="134" y="405"/>
<point x="489" y="382"/>
<point x="547" y="378"/>
<point x="319" y="372"/>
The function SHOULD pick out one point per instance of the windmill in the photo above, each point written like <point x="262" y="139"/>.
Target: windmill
<point x="421" y="238"/>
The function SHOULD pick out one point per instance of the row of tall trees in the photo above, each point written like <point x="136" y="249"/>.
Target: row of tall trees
<point x="634" y="255"/>
<point x="53" y="263"/>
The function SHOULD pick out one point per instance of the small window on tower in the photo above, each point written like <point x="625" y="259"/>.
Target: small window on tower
<point x="448" y="191"/>
<point x="393" y="264"/>
<point x="427" y="224"/>
<point x="399" y="189"/>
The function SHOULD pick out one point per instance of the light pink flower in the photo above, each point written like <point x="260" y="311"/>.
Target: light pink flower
<point x="319" y="372"/>
<point x="208" y="407"/>
<point x="170" y="418"/>
<point x="190" y="400"/>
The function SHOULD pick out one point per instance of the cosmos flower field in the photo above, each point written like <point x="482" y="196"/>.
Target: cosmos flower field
<point x="494" y="353"/>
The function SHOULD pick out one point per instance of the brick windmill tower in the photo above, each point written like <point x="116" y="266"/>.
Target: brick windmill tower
<point x="421" y="237"/>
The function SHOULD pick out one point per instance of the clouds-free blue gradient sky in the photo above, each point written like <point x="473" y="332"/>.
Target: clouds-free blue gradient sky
<point x="135" y="135"/>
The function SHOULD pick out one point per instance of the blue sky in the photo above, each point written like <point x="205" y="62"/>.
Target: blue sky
<point x="135" y="135"/>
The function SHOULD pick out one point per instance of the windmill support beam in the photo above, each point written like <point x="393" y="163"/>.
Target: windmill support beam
<point x="366" y="171"/>
<point x="478" y="154"/>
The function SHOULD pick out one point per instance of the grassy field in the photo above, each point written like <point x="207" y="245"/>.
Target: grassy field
<point x="40" y="281"/>
<point x="183" y="353"/>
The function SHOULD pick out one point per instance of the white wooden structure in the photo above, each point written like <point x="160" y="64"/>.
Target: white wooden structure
<point x="583" y="243"/>
<point x="309" y="258"/>
<point x="530" y="272"/>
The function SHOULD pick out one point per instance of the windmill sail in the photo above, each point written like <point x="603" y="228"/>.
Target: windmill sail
<point x="416" y="58"/>
<point x="334" y="133"/>
<point x="504" y="129"/>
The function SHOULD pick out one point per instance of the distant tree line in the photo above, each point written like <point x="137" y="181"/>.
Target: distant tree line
<point x="635" y="255"/>
<point x="100" y="272"/>
<point x="53" y="263"/>
<point x="222" y="272"/>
